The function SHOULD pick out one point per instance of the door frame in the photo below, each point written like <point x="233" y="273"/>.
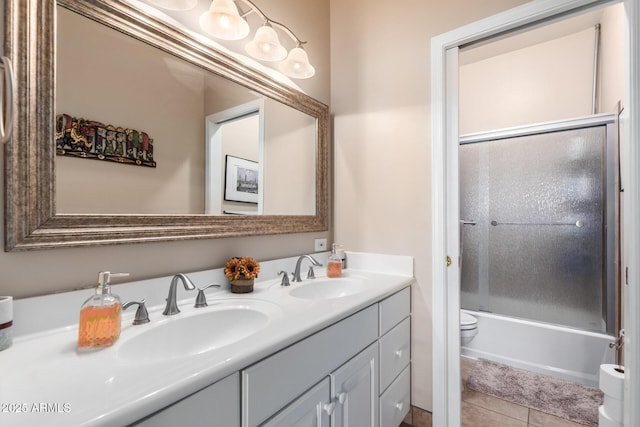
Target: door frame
<point x="445" y="193"/>
<point x="214" y="172"/>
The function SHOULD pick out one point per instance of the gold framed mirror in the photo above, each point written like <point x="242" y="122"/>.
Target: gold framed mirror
<point x="33" y="219"/>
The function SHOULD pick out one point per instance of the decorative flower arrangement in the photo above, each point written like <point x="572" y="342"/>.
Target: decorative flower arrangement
<point x="241" y="268"/>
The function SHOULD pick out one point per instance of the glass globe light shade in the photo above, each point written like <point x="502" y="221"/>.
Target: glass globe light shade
<point x="223" y="21"/>
<point x="265" y="45"/>
<point x="297" y="65"/>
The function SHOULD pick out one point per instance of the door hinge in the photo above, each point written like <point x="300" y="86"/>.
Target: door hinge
<point x="449" y="261"/>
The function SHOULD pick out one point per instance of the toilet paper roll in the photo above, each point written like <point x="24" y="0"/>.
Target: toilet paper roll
<point x="612" y="381"/>
<point x="6" y="310"/>
<point x="614" y="408"/>
<point x="605" y="421"/>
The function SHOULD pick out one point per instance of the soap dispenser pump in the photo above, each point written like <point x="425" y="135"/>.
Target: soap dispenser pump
<point x="100" y="315"/>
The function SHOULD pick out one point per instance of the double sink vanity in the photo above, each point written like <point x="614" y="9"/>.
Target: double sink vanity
<point x="321" y="351"/>
<point x="324" y="351"/>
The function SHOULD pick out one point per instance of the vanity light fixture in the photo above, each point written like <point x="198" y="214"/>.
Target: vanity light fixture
<point x="224" y="20"/>
<point x="265" y="45"/>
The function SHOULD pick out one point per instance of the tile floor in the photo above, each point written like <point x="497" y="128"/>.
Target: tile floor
<point x="482" y="410"/>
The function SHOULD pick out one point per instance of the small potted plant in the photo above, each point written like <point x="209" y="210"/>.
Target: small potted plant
<point x="241" y="272"/>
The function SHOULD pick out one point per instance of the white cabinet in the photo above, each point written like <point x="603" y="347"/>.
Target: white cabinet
<point x="394" y="309"/>
<point x="354" y="373"/>
<point x="366" y="357"/>
<point x="395" y="357"/>
<point x="395" y="401"/>
<point x="215" y="405"/>
<point x="310" y="409"/>
<point x="354" y="388"/>
<point x="394" y="353"/>
<point x="271" y="384"/>
<point x="347" y="397"/>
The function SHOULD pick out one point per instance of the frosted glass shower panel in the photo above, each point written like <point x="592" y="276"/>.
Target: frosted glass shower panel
<point x="537" y="249"/>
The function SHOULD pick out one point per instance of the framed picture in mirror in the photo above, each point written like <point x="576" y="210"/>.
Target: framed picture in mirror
<point x="241" y="180"/>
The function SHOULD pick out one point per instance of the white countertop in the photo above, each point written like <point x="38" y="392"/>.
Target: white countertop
<point x="44" y="380"/>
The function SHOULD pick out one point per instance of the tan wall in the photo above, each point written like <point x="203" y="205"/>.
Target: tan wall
<point x="545" y="82"/>
<point x="381" y="106"/>
<point x="289" y="163"/>
<point x="46" y="271"/>
<point x="172" y="116"/>
<point x="611" y="58"/>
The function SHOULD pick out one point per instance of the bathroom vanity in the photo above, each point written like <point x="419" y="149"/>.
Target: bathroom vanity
<point x="330" y="351"/>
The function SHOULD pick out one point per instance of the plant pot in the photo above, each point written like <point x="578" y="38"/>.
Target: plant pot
<point x="241" y="286"/>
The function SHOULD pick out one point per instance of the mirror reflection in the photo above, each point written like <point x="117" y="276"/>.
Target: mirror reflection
<point x="144" y="132"/>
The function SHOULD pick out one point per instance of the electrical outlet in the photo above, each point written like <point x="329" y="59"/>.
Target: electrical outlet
<point x="320" y="245"/>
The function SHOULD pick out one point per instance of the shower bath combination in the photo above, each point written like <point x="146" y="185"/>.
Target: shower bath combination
<point x="539" y="245"/>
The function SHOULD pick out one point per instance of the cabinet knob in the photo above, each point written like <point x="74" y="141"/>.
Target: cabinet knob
<point x="399" y="406"/>
<point x="342" y="397"/>
<point x="398" y="354"/>
<point x="329" y="408"/>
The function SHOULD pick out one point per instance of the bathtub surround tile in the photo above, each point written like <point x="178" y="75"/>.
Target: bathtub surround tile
<point x="477" y="416"/>
<point x="550" y="395"/>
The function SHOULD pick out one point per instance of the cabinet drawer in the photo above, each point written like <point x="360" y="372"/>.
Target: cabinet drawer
<point x="395" y="352"/>
<point x="394" y="309"/>
<point x="216" y="405"/>
<point x="395" y="402"/>
<point x="271" y="384"/>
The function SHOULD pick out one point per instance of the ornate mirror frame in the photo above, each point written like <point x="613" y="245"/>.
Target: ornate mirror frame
<point x="31" y="221"/>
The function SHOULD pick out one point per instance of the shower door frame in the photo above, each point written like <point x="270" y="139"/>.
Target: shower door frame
<point x="445" y="191"/>
<point x="610" y="184"/>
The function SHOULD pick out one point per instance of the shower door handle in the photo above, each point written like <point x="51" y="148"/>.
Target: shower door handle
<point x="579" y="223"/>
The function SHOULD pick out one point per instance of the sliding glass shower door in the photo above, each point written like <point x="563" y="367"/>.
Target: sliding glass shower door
<point x="534" y="241"/>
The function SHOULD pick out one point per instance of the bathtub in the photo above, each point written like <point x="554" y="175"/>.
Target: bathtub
<point x="558" y="351"/>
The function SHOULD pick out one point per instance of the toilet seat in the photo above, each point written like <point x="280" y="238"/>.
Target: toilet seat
<point x="467" y="321"/>
<point x="468" y="328"/>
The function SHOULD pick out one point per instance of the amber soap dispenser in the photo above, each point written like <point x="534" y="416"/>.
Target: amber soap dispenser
<point x="100" y="316"/>
<point x="334" y="265"/>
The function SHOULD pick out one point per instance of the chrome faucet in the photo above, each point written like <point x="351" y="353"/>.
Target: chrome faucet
<point x="172" y="305"/>
<point x="296" y="273"/>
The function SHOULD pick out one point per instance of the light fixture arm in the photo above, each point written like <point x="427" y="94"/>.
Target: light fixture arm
<point x="255" y="9"/>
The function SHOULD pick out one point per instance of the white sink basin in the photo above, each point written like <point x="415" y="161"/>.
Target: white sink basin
<point x="327" y="288"/>
<point x="199" y="331"/>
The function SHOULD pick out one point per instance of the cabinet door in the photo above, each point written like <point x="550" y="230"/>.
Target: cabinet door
<point x="309" y="410"/>
<point x="216" y="405"/>
<point x="355" y="391"/>
<point x="271" y="384"/>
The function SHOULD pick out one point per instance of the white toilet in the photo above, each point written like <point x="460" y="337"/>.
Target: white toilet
<point x="468" y="328"/>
